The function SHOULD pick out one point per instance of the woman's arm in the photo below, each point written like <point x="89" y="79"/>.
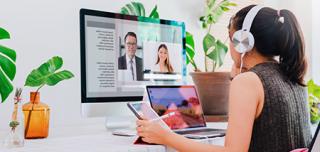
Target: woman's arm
<point x="244" y="97"/>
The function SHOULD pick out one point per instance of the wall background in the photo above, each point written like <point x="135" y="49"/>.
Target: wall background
<point x="42" y="29"/>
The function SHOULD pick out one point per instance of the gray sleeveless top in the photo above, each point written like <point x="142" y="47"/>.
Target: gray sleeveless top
<point x="283" y="124"/>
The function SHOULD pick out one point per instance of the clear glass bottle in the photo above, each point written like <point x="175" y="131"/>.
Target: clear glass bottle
<point x="15" y="137"/>
<point x="36" y="117"/>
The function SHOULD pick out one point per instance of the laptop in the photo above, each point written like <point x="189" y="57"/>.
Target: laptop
<point x="315" y="144"/>
<point x="188" y="118"/>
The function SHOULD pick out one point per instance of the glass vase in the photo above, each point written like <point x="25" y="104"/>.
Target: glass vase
<point x="36" y="117"/>
<point x="15" y="138"/>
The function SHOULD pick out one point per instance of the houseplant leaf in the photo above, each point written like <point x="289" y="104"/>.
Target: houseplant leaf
<point x="189" y="47"/>
<point x="216" y="14"/>
<point x="7" y="61"/>
<point x="125" y="11"/>
<point x="190" y="51"/>
<point x="133" y="8"/>
<point x="154" y="13"/>
<point x="314" y="101"/>
<point x="6" y="86"/>
<point x="57" y="77"/>
<point x="4" y="34"/>
<point x="211" y="3"/>
<point x="39" y="76"/>
<point x="139" y="7"/>
<point x="7" y="67"/>
<point x="208" y="42"/>
<point x="313" y="88"/>
<point x="218" y="53"/>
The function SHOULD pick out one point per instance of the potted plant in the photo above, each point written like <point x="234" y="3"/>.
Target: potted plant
<point x="212" y="87"/>
<point x="7" y="67"/>
<point x="37" y="113"/>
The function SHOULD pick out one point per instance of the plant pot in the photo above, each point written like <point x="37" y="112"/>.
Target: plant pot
<point x="213" y="91"/>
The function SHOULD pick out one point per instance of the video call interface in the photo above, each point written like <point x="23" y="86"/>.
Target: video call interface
<point x="123" y="56"/>
<point x="182" y="101"/>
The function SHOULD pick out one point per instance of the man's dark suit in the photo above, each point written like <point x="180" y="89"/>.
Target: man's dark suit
<point x="122" y="65"/>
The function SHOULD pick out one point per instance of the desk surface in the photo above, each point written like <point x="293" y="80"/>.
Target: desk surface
<point x="93" y="138"/>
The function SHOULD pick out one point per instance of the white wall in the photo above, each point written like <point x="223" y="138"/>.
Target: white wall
<point x="316" y="40"/>
<point x="42" y="29"/>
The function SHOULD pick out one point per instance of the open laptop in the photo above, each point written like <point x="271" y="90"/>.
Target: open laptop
<point x="315" y="144"/>
<point x="184" y="102"/>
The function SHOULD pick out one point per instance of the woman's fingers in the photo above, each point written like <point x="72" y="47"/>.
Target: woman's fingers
<point x="139" y="129"/>
<point x="143" y="134"/>
<point x="142" y="122"/>
<point x="146" y="140"/>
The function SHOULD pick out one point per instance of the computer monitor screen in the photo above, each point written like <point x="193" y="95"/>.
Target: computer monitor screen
<point x="121" y="54"/>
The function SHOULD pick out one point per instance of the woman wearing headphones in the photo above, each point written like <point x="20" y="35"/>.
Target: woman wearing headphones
<point x="267" y="103"/>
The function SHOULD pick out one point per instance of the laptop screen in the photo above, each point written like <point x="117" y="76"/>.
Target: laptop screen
<point x="182" y="100"/>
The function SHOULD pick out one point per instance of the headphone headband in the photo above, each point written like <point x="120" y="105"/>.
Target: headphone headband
<point x="250" y="17"/>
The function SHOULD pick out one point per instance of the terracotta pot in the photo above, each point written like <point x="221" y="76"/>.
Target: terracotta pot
<point x="213" y="91"/>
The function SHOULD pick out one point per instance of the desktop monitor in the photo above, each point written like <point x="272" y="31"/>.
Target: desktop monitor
<point x="121" y="54"/>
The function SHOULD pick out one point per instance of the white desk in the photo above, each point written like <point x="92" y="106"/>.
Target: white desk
<point x="93" y="138"/>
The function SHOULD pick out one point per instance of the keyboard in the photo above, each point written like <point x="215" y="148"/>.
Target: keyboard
<point x="202" y="131"/>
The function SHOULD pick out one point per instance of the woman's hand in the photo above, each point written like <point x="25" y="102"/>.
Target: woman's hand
<point x="151" y="132"/>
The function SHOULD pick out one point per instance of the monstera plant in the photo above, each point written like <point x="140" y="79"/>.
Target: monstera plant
<point x="7" y="67"/>
<point x="48" y="74"/>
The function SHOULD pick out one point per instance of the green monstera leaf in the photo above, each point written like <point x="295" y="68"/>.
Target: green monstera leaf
<point x="137" y="9"/>
<point x="219" y="50"/>
<point x="133" y="8"/>
<point x="218" y="54"/>
<point x="48" y="74"/>
<point x="154" y="13"/>
<point x="190" y="50"/>
<point x="7" y="67"/>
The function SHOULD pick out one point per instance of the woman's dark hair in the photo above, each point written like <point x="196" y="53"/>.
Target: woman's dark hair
<point x="276" y="38"/>
<point x="167" y="61"/>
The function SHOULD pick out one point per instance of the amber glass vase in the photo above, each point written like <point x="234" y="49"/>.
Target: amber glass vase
<point x="36" y="116"/>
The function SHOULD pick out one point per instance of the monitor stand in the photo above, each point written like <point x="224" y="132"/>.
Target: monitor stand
<point x="121" y="125"/>
<point x="120" y="122"/>
<point x="117" y="115"/>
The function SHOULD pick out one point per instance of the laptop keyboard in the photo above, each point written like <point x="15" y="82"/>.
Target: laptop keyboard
<point x="204" y="130"/>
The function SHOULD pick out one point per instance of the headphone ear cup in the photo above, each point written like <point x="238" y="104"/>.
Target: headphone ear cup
<point x="243" y="41"/>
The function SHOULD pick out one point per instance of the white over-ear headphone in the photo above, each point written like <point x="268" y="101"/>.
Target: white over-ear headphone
<point x="243" y="40"/>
